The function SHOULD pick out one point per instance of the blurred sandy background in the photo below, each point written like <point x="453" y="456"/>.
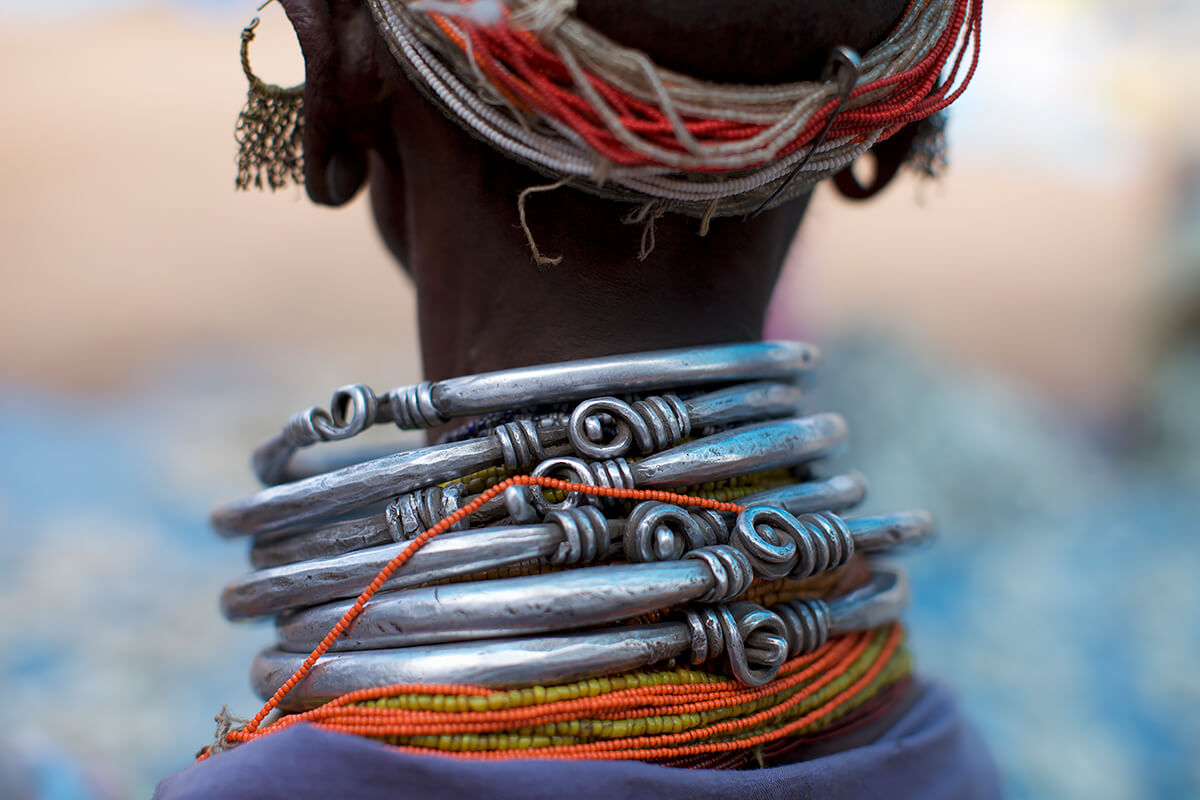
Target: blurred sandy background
<point x="1021" y="324"/>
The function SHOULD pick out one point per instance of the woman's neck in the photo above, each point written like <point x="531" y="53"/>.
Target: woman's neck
<point x="483" y="303"/>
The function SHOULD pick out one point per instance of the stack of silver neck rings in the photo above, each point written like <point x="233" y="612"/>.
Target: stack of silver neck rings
<point x="600" y="586"/>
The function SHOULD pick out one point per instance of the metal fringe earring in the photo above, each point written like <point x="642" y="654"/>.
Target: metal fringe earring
<point x="270" y="129"/>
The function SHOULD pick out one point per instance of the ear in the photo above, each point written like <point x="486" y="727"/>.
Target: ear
<point x="889" y="155"/>
<point x="343" y="89"/>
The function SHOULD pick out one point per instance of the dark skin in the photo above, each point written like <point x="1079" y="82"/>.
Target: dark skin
<point x="446" y="205"/>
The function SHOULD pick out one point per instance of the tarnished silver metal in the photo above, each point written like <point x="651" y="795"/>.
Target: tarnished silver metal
<point x="574" y="536"/>
<point x="564" y="624"/>
<point x="776" y="543"/>
<point x="333" y="494"/>
<point x="811" y="622"/>
<point x="520" y="443"/>
<point x="713" y="528"/>
<point x="753" y="448"/>
<point x="523" y="441"/>
<point x="615" y="473"/>
<point x="531" y="604"/>
<point x="759" y="446"/>
<point x="741" y="451"/>
<point x="567" y="468"/>
<point x="497" y="663"/>
<point x="770" y="547"/>
<point x="327" y="541"/>
<point x="413" y="407"/>
<point x="530" y="661"/>
<point x="664" y="532"/>
<point x="476" y="610"/>
<point x="779" y="544"/>
<point x="355" y="408"/>
<point x="730" y="570"/>
<point x="352" y="410"/>
<point x="586" y="535"/>
<point x="878" y="602"/>
<point x="411" y="514"/>
<point x="883" y="532"/>
<point x="832" y="494"/>
<point x="518" y="506"/>
<point x="654" y="423"/>
<point x="639" y="373"/>
<point x="807" y="623"/>
<point x="753" y="640"/>
<point x="271" y="550"/>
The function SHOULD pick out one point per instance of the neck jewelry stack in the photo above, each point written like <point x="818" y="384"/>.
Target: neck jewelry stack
<point x="670" y="515"/>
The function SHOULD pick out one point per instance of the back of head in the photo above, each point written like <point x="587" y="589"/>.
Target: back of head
<point x="637" y="145"/>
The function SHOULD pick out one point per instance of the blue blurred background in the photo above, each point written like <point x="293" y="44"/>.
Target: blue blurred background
<point x="1017" y="348"/>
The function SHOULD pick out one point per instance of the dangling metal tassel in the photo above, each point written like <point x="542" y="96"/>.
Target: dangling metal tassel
<point x="270" y="129"/>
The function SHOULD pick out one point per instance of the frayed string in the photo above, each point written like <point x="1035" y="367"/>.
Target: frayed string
<point x="226" y="722"/>
<point x="541" y="260"/>
<point x="601" y="169"/>
<point x="709" y="213"/>
<point x="646" y="215"/>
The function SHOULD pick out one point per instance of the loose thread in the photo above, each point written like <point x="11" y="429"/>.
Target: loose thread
<point x="647" y="214"/>
<point x="226" y="723"/>
<point x="542" y="260"/>
<point x="709" y="212"/>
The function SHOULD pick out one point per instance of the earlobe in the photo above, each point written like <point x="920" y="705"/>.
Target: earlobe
<point x="345" y="172"/>
<point x="889" y="156"/>
<point x="335" y="166"/>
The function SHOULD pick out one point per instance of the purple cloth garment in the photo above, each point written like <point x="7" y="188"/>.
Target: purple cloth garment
<point x="930" y="753"/>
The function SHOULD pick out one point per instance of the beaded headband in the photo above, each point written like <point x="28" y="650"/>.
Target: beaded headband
<point x="536" y="82"/>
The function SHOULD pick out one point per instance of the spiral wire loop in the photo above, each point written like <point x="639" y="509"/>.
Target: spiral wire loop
<point x="731" y="571"/>
<point x="520" y="444"/>
<point x="612" y="474"/>
<point x="585" y="535"/>
<point x="412" y="407"/>
<point x="352" y="410"/>
<point x="652" y="424"/>
<point x="713" y="527"/>
<point x="657" y="531"/>
<point x="752" y="639"/>
<point x="807" y="623"/>
<point x="411" y="513"/>
<point x="780" y="545"/>
<point x="579" y="472"/>
<point x="825" y="544"/>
